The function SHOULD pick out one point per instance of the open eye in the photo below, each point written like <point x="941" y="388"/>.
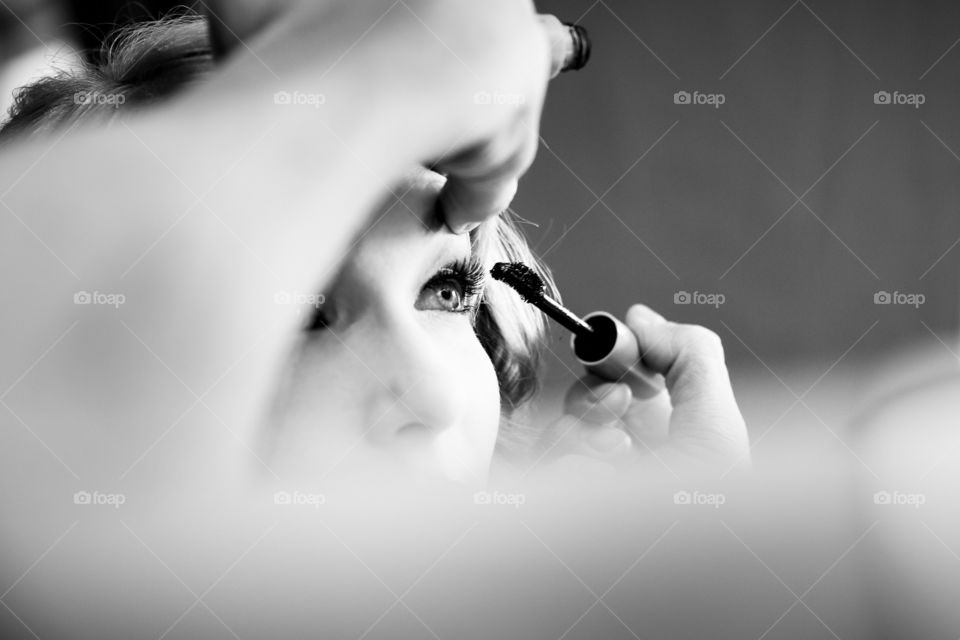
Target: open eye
<point x="453" y="289"/>
<point x="444" y="295"/>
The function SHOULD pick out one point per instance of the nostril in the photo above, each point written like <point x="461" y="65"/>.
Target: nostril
<point x="415" y="433"/>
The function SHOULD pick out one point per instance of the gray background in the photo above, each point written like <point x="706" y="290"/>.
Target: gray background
<point x="801" y="553"/>
<point x="696" y="198"/>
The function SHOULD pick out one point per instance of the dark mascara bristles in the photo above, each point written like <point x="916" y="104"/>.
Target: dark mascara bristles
<point x="521" y="278"/>
<point x="532" y="289"/>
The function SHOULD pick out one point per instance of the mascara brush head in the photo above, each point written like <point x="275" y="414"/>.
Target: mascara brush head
<point x="532" y="289"/>
<point x="521" y="279"/>
<point x="603" y="344"/>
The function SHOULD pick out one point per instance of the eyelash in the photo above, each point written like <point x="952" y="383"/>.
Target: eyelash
<point x="469" y="274"/>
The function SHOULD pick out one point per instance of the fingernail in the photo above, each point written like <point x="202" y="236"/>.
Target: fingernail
<point x="605" y="439"/>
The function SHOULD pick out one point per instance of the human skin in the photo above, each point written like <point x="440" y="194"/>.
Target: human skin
<point x="200" y="244"/>
<point x="172" y="206"/>
<point x="396" y="382"/>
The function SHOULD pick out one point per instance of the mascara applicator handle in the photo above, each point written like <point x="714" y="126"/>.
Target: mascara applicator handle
<point x="611" y="352"/>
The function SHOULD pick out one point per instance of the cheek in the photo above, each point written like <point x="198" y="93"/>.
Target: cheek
<point x="332" y="403"/>
<point x="318" y="411"/>
<point x="484" y="391"/>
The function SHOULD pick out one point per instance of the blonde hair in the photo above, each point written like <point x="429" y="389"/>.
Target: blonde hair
<point x="146" y="63"/>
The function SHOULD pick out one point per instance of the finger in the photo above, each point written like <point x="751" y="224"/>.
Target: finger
<point x="560" y="42"/>
<point x="482" y="181"/>
<point x="607" y="442"/>
<point x="600" y="403"/>
<point x="569" y="45"/>
<point x="570" y="436"/>
<point x="642" y="312"/>
<point x="647" y="422"/>
<point x="688" y="356"/>
<point x="230" y="23"/>
<point x="465" y="204"/>
<point x="597" y="407"/>
<point x="596" y="401"/>
<point x="705" y="415"/>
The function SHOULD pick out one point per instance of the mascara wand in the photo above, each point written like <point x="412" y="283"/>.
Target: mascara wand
<point x="602" y="344"/>
<point x="532" y="289"/>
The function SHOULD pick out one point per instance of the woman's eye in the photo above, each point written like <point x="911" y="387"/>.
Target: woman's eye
<point x="455" y="288"/>
<point x="446" y="295"/>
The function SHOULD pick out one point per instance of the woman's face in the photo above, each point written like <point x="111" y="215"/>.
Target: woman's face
<point x="392" y="379"/>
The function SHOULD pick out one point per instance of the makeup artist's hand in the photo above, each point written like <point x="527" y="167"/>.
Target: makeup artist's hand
<point x="696" y="424"/>
<point x="466" y="79"/>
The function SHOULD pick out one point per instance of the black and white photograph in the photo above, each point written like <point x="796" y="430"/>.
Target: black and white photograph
<point x="440" y="319"/>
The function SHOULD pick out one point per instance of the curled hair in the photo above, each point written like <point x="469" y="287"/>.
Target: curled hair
<point x="511" y="330"/>
<point x="139" y="65"/>
<point x="143" y="64"/>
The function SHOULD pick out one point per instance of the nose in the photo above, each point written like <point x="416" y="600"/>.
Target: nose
<point x="416" y="393"/>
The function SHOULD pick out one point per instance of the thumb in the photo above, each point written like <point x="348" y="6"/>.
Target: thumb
<point x="706" y="420"/>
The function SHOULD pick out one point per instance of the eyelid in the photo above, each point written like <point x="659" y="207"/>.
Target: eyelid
<point x="471" y="275"/>
<point x="471" y="271"/>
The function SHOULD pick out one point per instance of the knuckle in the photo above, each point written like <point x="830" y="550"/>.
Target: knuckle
<point x="514" y="152"/>
<point x="499" y="159"/>
<point x="484" y="161"/>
